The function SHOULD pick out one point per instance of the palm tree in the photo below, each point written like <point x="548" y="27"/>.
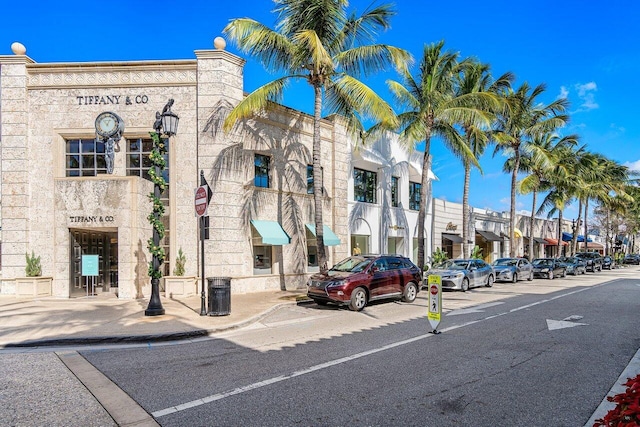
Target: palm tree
<point x="316" y="41"/>
<point x="475" y="78"/>
<point x="433" y="108"/>
<point x="608" y="179"/>
<point x="545" y="155"/>
<point x="524" y="118"/>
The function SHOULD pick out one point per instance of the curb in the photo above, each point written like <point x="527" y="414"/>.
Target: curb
<point x="147" y="338"/>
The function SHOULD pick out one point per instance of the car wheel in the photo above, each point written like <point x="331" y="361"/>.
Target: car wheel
<point x="410" y="292"/>
<point x="358" y="299"/>
<point x="514" y="279"/>
<point x="465" y="284"/>
<point x="489" y="281"/>
<point x="530" y="276"/>
<point x="550" y="276"/>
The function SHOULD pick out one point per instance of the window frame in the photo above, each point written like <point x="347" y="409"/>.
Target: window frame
<point x="94" y="156"/>
<point x="365" y="186"/>
<point x="415" y="190"/>
<point x="261" y="173"/>
<point x="395" y="199"/>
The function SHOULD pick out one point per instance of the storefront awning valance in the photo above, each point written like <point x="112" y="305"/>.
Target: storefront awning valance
<point x="567" y="237"/>
<point x="517" y="233"/>
<point x="328" y="236"/>
<point x="554" y="242"/>
<point x="489" y="236"/>
<point x="454" y="238"/>
<point x="271" y="232"/>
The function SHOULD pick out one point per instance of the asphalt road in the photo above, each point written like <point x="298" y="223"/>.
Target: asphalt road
<point x="533" y="359"/>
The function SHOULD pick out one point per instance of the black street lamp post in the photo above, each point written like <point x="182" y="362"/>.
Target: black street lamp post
<point x="165" y="126"/>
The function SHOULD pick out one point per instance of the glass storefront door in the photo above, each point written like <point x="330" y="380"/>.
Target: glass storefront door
<point x="103" y="244"/>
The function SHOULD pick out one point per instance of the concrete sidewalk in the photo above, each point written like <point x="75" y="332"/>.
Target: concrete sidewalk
<point x="35" y="322"/>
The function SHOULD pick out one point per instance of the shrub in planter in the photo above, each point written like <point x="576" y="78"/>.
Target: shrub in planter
<point x="181" y="260"/>
<point x="33" y="267"/>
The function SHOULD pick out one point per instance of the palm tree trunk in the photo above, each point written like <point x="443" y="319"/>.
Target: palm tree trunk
<point x="317" y="179"/>
<point x="424" y="198"/>
<point x="586" y="209"/>
<point x="559" y="233"/>
<point x="576" y="230"/>
<point x="531" y="224"/>
<point x="465" y="209"/>
<point x="512" y="211"/>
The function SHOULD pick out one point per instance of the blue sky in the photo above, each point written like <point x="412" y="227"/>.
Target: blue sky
<point x="586" y="51"/>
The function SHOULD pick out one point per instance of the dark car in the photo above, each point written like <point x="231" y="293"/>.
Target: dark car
<point x="512" y="269"/>
<point x="593" y="259"/>
<point x="608" y="263"/>
<point x="548" y="268"/>
<point x="575" y="265"/>
<point x="362" y="278"/>
<point x="632" y="259"/>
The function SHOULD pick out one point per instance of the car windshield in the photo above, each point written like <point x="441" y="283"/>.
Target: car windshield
<point x="454" y="264"/>
<point x="505" y="261"/>
<point x="541" y="262"/>
<point x="354" y="264"/>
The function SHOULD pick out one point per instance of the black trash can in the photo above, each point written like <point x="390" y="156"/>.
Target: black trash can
<point x="219" y="296"/>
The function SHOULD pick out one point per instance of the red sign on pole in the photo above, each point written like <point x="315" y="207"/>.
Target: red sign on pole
<point x="201" y="200"/>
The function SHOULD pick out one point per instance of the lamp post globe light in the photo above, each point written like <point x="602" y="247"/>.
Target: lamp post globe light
<point x="165" y="126"/>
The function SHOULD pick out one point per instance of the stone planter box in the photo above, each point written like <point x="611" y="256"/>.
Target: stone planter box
<point x="33" y="286"/>
<point x="180" y="286"/>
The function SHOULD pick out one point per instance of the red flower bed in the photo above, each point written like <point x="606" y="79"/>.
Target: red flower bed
<point x="627" y="410"/>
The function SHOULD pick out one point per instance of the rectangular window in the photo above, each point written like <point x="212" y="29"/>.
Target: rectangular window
<point x="309" y="179"/>
<point x="85" y="157"/>
<point x="394" y="191"/>
<point x="261" y="171"/>
<point x="414" y="195"/>
<point x="262" y="260"/>
<point x="365" y="184"/>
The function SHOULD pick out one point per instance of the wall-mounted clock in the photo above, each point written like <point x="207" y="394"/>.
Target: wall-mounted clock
<point x="107" y="124"/>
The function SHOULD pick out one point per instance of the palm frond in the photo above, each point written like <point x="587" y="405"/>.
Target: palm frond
<point x="363" y="60"/>
<point x="272" y="49"/>
<point x="257" y="101"/>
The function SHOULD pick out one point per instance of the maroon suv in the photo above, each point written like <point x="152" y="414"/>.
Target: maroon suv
<point x="362" y="278"/>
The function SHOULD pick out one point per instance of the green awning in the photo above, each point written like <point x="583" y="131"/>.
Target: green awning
<point x="271" y="232"/>
<point x="329" y="237"/>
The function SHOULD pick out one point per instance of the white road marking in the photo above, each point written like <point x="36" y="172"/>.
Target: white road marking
<point x="561" y="324"/>
<point x="475" y="309"/>
<point x="274" y="380"/>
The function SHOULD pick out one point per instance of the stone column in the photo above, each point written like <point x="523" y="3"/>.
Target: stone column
<point x="14" y="165"/>
<point x="220" y="88"/>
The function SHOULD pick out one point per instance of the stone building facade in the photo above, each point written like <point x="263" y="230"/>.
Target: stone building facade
<point x="59" y="201"/>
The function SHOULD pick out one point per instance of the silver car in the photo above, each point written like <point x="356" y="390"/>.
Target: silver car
<point x="462" y="274"/>
<point x="512" y="269"/>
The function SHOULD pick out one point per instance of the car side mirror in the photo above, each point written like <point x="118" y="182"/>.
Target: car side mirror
<point x="375" y="269"/>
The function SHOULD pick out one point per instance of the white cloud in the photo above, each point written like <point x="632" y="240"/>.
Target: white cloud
<point x="563" y="92"/>
<point x="633" y="166"/>
<point x="587" y="87"/>
<point x="586" y="95"/>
